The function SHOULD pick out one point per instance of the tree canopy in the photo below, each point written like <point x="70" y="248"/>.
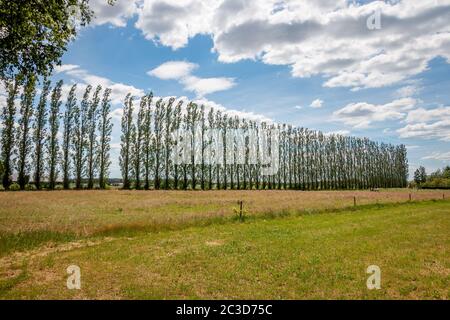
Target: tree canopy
<point x="34" y="34"/>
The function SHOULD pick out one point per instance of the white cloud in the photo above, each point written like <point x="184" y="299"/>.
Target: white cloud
<point x="182" y="72"/>
<point x="316" y="104"/>
<point x="426" y="115"/>
<point x="84" y="78"/>
<point x="408" y="91"/>
<point x="436" y="130"/>
<point x="441" y="156"/>
<point x="65" y="68"/>
<point x="205" y="86"/>
<point x="325" y="37"/>
<point x="173" y="70"/>
<point x="116" y="15"/>
<point x="363" y="114"/>
<point x="338" y="132"/>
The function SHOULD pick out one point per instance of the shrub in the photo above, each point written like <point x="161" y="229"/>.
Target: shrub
<point x="30" y="187"/>
<point x="14" y="187"/>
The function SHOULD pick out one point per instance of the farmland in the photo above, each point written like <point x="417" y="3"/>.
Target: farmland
<point x="175" y="244"/>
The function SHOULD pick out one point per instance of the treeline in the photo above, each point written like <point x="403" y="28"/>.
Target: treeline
<point x="151" y="149"/>
<point x="167" y="144"/>
<point x="32" y="147"/>
<point x="439" y="179"/>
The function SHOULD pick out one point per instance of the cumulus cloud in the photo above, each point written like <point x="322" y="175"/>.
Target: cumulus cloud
<point x="316" y="104"/>
<point x="83" y="78"/>
<point x="116" y="15"/>
<point x="325" y="37"/>
<point x="427" y="124"/>
<point x="173" y="70"/>
<point x="363" y="114"/>
<point x="181" y="71"/>
<point x="441" y="156"/>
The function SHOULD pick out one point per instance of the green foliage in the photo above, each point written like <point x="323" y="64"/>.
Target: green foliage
<point x="40" y="134"/>
<point x="14" y="187"/>
<point x="105" y="129"/>
<point x="126" y="141"/>
<point x="80" y="135"/>
<point x="52" y="139"/>
<point x="24" y="141"/>
<point x="440" y="179"/>
<point x="37" y="33"/>
<point x="8" y="132"/>
<point x="91" y="144"/>
<point x="30" y="187"/>
<point x="67" y="135"/>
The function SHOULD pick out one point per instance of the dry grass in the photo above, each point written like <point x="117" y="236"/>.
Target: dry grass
<point x="90" y="212"/>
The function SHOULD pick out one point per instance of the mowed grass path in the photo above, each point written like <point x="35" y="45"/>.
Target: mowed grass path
<point x="310" y="256"/>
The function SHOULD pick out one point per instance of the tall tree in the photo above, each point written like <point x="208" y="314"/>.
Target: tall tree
<point x="68" y="132"/>
<point x="52" y="141"/>
<point x="126" y="141"/>
<point x="105" y="129"/>
<point x="8" y="141"/>
<point x="37" y="33"/>
<point x="39" y="134"/>
<point x="158" y="139"/>
<point x="91" y="124"/>
<point x="24" y="140"/>
<point x="147" y="141"/>
<point x="168" y="141"/>
<point x="79" y="142"/>
<point x="137" y="137"/>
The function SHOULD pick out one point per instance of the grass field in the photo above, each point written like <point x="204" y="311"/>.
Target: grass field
<point x="292" y="245"/>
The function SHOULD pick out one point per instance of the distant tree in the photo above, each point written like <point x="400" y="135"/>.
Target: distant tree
<point x="126" y="141"/>
<point x="68" y="133"/>
<point x="417" y="178"/>
<point x="105" y="129"/>
<point x="79" y="141"/>
<point x="24" y="141"/>
<point x="39" y="134"/>
<point x="91" y="127"/>
<point x="52" y="139"/>
<point x="8" y="132"/>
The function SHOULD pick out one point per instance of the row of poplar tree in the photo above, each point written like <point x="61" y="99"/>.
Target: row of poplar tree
<point x="307" y="160"/>
<point x="31" y="146"/>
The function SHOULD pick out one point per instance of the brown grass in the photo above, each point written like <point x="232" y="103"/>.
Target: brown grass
<point x="89" y="212"/>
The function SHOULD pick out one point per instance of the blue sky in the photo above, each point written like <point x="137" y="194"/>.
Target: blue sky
<point x="264" y="64"/>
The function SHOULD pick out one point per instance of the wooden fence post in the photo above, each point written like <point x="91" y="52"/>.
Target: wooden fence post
<point x="241" y="213"/>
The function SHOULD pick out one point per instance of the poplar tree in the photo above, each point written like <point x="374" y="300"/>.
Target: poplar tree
<point x="24" y="141"/>
<point x="137" y="137"/>
<point x="91" y="127"/>
<point x="104" y="147"/>
<point x="52" y="139"/>
<point x="8" y="132"/>
<point x="147" y="141"/>
<point x="39" y="134"/>
<point x="67" y="135"/>
<point x="79" y="141"/>
<point x="126" y="142"/>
